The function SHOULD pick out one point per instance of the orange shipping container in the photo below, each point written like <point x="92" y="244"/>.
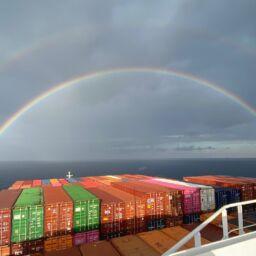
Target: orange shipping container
<point x="134" y="209"/>
<point x="132" y="245"/>
<point x="17" y="184"/>
<point x="5" y="250"/>
<point x="58" y="212"/>
<point x="156" y="198"/>
<point x="98" y="249"/>
<point x="112" y="214"/>
<point x="58" y="243"/>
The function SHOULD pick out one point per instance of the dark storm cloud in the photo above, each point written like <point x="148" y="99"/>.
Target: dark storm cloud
<point x="216" y="41"/>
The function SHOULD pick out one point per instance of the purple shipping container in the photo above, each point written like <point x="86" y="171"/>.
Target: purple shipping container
<point x="191" y="202"/>
<point x="86" y="237"/>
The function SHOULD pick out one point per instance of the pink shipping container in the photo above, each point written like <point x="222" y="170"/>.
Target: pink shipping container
<point x="86" y="237"/>
<point x="191" y="196"/>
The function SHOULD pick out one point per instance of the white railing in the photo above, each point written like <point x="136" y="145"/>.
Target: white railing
<point x="223" y="211"/>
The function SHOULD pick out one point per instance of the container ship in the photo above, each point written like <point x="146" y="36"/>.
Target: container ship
<point x="126" y="215"/>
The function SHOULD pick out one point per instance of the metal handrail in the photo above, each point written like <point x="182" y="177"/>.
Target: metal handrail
<point x="223" y="211"/>
<point x="236" y="229"/>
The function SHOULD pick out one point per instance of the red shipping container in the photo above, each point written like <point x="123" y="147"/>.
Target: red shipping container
<point x="7" y="200"/>
<point x="28" y="248"/>
<point x="63" y="181"/>
<point x="5" y="250"/>
<point x="89" y="183"/>
<point x="86" y="237"/>
<point x="36" y="183"/>
<point x="58" y="212"/>
<point x="26" y="184"/>
<point x="191" y="196"/>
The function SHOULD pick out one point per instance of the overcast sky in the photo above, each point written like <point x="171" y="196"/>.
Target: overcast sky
<point x="127" y="116"/>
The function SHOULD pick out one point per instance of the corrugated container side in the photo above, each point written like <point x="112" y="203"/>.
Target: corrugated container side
<point x="191" y="196"/>
<point x="28" y="215"/>
<point x="7" y="200"/>
<point x="96" y="249"/>
<point x="86" y="237"/>
<point x="86" y="208"/>
<point x="58" y="212"/>
<point x="225" y="196"/>
<point x="207" y="194"/>
<point x="58" y="243"/>
<point x="133" y="245"/>
<point x="5" y="250"/>
<point x="112" y="214"/>
<point x="28" y="247"/>
<point x="151" y="196"/>
<point x="158" y="241"/>
<point x="134" y="209"/>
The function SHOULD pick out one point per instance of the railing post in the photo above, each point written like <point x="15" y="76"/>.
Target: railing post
<point x="225" y="224"/>
<point x="197" y="238"/>
<point x="240" y="219"/>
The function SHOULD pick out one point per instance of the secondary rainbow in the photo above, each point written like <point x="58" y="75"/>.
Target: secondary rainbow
<point x="104" y="73"/>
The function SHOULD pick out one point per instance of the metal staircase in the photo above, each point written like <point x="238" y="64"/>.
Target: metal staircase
<point x="226" y="241"/>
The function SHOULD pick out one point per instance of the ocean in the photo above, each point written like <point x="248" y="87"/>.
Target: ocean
<point x="173" y="168"/>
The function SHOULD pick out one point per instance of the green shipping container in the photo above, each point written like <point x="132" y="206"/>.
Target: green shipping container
<point x="28" y="216"/>
<point x="86" y="208"/>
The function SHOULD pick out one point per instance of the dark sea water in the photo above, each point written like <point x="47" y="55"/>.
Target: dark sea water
<point x="11" y="171"/>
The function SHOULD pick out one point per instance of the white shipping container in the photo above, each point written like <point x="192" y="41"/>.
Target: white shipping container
<point x="207" y="193"/>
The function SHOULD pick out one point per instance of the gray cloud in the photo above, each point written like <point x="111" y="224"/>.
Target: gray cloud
<point x="127" y="116"/>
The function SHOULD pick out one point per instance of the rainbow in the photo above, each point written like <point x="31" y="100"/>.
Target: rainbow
<point x="126" y="70"/>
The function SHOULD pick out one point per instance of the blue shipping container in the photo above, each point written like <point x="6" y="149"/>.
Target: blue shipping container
<point x="46" y="181"/>
<point x="225" y="196"/>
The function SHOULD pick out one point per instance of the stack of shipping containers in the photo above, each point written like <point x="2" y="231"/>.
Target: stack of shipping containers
<point x="58" y="219"/>
<point x="86" y="214"/>
<point x="226" y="192"/>
<point x="207" y="193"/>
<point x="27" y="222"/>
<point x="7" y="200"/>
<point x="56" y="214"/>
<point x="191" y="202"/>
<point x="156" y="198"/>
<point x="112" y="214"/>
